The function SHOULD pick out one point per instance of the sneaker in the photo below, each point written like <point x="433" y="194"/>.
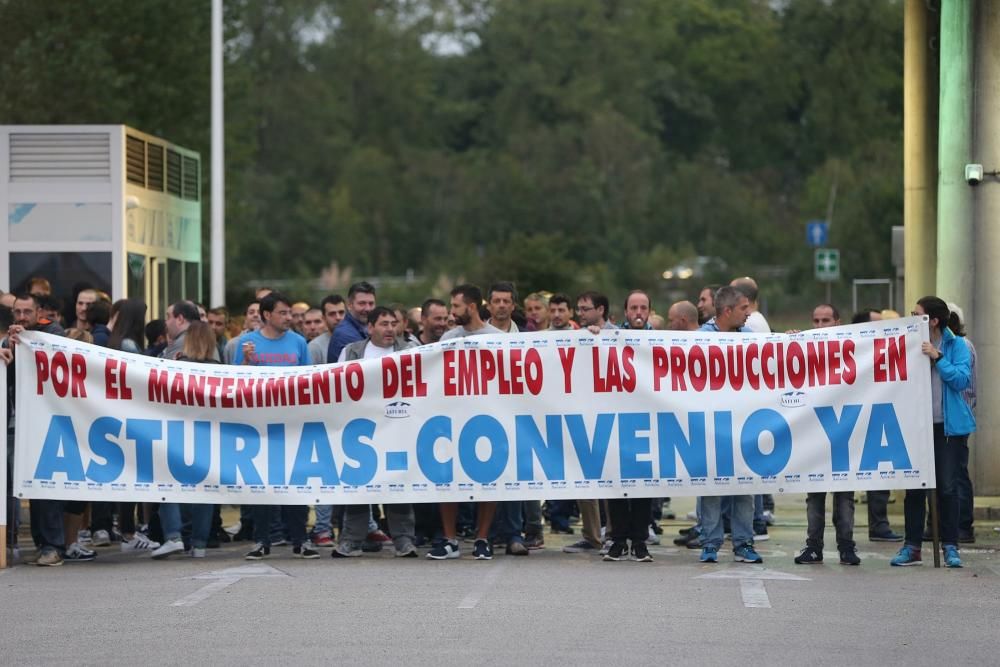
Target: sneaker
<point x="482" y="550"/>
<point x="139" y="542"/>
<point x="809" y="556"/>
<point x="618" y="551"/>
<point x="746" y="554"/>
<point x="906" y="557"/>
<point x="709" y="555"/>
<point x="49" y="558"/>
<point x="259" y="551"/>
<point x="77" y="554"/>
<point x="687" y="536"/>
<point x="408" y="550"/>
<point x="234" y="529"/>
<point x="693" y="542"/>
<point x="768" y="516"/>
<point x="168" y="548"/>
<point x="849" y="557"/>
<point x="606" y="547"/>
<point x="885" y="537"/>
<point x="305" y="551"/>
<point x="199" y="552"/>
<point x="346" y="550"/>
<point x="378" y="536"/>
<point x="444" y="550"/>
<point x="581" y="547"/>
<point x="640" y="554"/>
<point x="102" y="538"/>
<point x="761" y="536"/>
<point x="691" y="516"/>
<point x="653" y="538"/>
<point x="562" y="531"/>
<point x="951" y="557"/>
<point x="517" y="548"/>
<point x="324" y="540"/>
<point x="83" y="538"/>
<point x="534" y="542"/>
<point x="967" y="536"/>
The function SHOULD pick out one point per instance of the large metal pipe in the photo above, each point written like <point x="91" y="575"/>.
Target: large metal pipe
<point x="955" y="238"/>
<point x="919" y="155"/>
<point x="986" y="323"/>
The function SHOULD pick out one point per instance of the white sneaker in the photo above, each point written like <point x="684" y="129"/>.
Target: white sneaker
<point x="234" y="529"/>
<point x="653" y="538"/>
<point x="83" y="537"/>
<point x="198" y="552"/>
<point x="691" y="516"/>
<point x="101" y="538"/>
<point x="168" y="548"/>
<point x="768" y="517"/>
<point x="139" y="542"/>
<point x="76" y="553"/>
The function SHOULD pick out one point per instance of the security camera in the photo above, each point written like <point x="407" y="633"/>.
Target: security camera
<point x="973" y="174"/>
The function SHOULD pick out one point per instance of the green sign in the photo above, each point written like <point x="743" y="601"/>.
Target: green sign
<point x="827" y="265"/>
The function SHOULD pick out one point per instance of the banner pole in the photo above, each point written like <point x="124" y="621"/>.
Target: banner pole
<point x="935" y="535"/>
<point x="3" y="542"/>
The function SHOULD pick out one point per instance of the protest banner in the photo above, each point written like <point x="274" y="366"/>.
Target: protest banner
<point x="542" y="415"/>
<point x="3" y="467"/>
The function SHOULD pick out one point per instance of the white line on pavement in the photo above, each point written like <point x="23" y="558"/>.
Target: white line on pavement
<point x="482" y="588"/>
<point x="205" y="592"/>
<point x="754" y="594"/>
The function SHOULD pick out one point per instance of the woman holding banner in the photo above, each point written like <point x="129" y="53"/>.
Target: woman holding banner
<point x="951" y="374"/>
<point x="199" y="347"/>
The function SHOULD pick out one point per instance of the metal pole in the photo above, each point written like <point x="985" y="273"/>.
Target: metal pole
<point x="218" y="238"/>
<point x="919" y="156"/>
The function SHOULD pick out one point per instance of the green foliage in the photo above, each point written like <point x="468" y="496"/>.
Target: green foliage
<point x="564" y="144"/>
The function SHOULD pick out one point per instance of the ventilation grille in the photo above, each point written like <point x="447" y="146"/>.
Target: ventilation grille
<point x="154" y="167"/>
<point x="135" y="160"/>
<point x="174" y="173"/>
<point x="191" y="179"/>
<point x="60" y="157"/>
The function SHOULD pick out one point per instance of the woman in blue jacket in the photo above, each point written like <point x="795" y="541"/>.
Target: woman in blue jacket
<point x="951" y="374"/>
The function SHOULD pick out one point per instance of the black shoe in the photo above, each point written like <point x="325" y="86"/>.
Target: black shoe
<point x="849" y="558"/>
<point x="687" y="538"/>
<point x="967" y="536"/>
<point x="482" y="550"/>
<point x="305" y="551"/>
<point x="258" y="553"/>
<point x="618" y="551"/>
<point x="640" y="553"/>
<point x="810" y="556"/>
<point x="885" y="537"/>
<point x="693" y="542"/>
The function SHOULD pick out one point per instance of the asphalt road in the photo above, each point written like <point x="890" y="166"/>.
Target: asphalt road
<point x="549" y="607"/>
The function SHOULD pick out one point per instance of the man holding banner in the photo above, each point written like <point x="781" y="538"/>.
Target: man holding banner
<point x="275" y="344"/>
<point x="732" y="308"/>
<point x="46" y="514"/>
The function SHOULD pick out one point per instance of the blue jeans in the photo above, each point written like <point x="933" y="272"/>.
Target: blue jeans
<point x="199" y="516"/>
<point x="324" y="520"/>
<point x="508" y="521"/>
<point x="741" y="519"/>
<point x="947" y="463"/>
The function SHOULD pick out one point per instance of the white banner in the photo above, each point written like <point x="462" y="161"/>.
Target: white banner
<point x="543" y="415"/>
<point x="3" y="453"/>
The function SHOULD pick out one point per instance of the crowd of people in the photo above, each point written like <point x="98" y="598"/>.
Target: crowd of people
<point x="275" y="330"/>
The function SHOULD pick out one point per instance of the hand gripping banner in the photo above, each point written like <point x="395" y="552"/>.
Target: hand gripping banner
<point x="542" y="415"/>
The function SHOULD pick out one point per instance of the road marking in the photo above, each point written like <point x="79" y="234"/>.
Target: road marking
<point x="752" y="580"/>
<point x="754" y="594"/>
<point x="205" y="592"/>
<point x="472" y="599"/>
<point x="222" y="579"/>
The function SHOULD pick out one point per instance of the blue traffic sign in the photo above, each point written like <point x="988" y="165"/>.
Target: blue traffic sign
<point x="817" y="232"/>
